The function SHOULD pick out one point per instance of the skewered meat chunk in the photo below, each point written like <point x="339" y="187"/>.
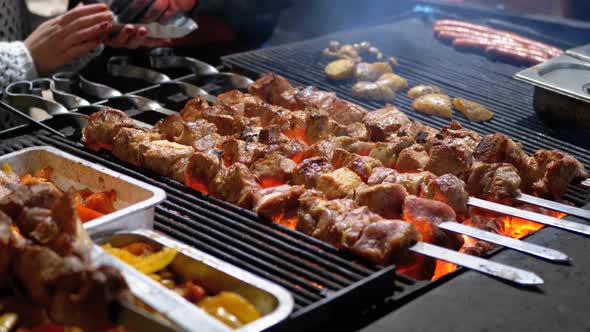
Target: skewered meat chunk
<point x="348" y="227"/>
<point x="341" y="111"/>
<point x="309" y="170"/>
<point x="199" y="134"/>
<point x="361" y="148"/>
<point x="324" y="148"/>
<point x="272" y="170"/>
<point x="382" y="174"/>
<point x="434" y="104"/>
<point x="495" y="182"/>
<point x="235" y="184"/>
<point x="227" y="119"/>
<point x="271" y="135"/>
<point x="383" y="122"/>
<point x="448" y="189"/>
<point x="385" y="199"/>
<point x="165" y="158"/>
<point x="558" y="169"/>
<point x="371" y="72"/>
<point x="385" y="241"/>
<point x="316" y="210"/>
<point x="127" y="141"/>
<point x="422" y="90"/>
<point x="273" y="89"/>
<point x="356" y="130"/>
<point x="412" y="159"/>
<point x="293" y="149"/>
<point x="361" y="165"/>
<point x="379" y="91"/>
<point x="103" y="126"/>
<point x="319" y="126"/>
<point x="413" y="182"/>
<point x="194" y="108"/>
<point x="422" y="134"/>
<point x="453" y="149"/>
<point x="339" y="183"/>
<point x="387" y="152"/>
<point x="201" y="169"/>
<point x="426" y="214"/>
<point x="41" y="195"/>
<point x="237" y="151"/>
<point x="279" y="202"/>
<point x="251" y="106"/>
<point x="485" y="220"/>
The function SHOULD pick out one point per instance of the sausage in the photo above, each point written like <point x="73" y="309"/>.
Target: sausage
<point x="506" y="53"/>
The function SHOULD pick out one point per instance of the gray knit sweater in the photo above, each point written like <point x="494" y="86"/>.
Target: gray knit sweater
<point x="16" y="63"/>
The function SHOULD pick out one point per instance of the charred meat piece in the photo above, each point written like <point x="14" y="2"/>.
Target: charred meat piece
<point x="356" y="130"/>
<point x="386" y="241"/>
<point x="422" y="90"/>
<point x="453" y="149"/>
<point x="194" y="108"/>
<point x="559" y="170"/>
<point x="202" y="168"/>
<point x="273" y="89"/>
<point x="251" y="106"/>
<point x="127" y="141"/>
<point x="103" y="126"/>
<point x="387" y="152"/>
<point x="343" y="112"/>
<point x="273" y="170"/>
<point x="382" y="174"/>
<point x="412" y="159"/>
<point x="319" y="126"/>
<point x="324" y="148"/>
<point x="448" y="189"/>
<point x="413" y="182"/>
<point x="316" y="210"/>
<point x="472" y="110"/>
<point x="293" y="149"/>
<point x="237" y="151"/>
<point x="361" y="165"/>
<point x="199" y="134"/>
<point x="385" y="199"/>
<point x="437" y="104"/>
<point x="383" y="122"/>
<point x="422" y="134"/>
<point x="339" y="183"/>
<point x="278" y="203"/>
<point x="271" y="134"/>
<point x="235" y="184"/>
<point x="309" y="170"/>
<point x="163" y="156"/>
<point x="227" y="119"/>
<point x="496" y="182"/>
<point x="370" y="72"/>
<point x="426" y="214"/>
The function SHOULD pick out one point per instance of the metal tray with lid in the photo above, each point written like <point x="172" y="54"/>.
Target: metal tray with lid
<point x="562" y="90"/>
<point x="273" y="302"/>
<point x="136" y="201"/>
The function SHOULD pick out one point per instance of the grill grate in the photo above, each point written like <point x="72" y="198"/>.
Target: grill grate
<point x="318" y="276"/>
<point x="425" y="60"/>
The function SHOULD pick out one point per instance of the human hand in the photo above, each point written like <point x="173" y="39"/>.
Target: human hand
<point x="68" y="37"/>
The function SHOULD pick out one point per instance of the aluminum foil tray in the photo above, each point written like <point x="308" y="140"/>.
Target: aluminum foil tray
<point x="135" y="202"/>
<point x="272" y="301"/>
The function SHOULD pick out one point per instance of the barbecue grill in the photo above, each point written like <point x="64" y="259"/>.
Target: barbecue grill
<point x="330" y="287"/>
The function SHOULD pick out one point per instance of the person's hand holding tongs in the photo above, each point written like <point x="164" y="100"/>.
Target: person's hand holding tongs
<point x="148" y="23"/>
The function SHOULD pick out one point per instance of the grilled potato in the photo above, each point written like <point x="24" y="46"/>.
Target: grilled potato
<point x="371" y="71"/>
<point x="393" y="81"/>
<point x="372" y="91"/>
<point x="421" y="90"/>
<point x="434" y="104"/>
<point x="472" y="110"/>
<point x="340" y="69"/>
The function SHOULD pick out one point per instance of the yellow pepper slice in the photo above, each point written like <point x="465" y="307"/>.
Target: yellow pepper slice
<point x="6" y="168"/>
<point x="230" y="308"/>
<point x="147" y="264"/>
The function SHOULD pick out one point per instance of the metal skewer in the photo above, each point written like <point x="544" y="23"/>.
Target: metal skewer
<point x="571" y="210"/>
<point x="528" y="215"/>
<point x="485" y="266"/>
<point x="508" y="242"/>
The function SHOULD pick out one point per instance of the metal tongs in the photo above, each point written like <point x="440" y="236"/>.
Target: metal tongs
<point x="133" y="12"/>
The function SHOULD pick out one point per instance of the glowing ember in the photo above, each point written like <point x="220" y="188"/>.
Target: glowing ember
<point x="513" y="227"/>
<point x="297" y="133"/>
<point x="287" y="221"/>
<point x="297" y="157"/>
<point x="317" y="285"/>
<point x="269" y="182"/>
<point x="196" y="184"/>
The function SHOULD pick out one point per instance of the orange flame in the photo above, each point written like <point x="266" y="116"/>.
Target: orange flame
<point x="513" y="227"/>
<point x="297" y="133"/>
<point x="196" y="184"/>
<point x="270" y="181"/>
<point x="287" y="221"/>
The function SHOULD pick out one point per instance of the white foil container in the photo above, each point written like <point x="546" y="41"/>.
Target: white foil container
<point x="136" y="201"/>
